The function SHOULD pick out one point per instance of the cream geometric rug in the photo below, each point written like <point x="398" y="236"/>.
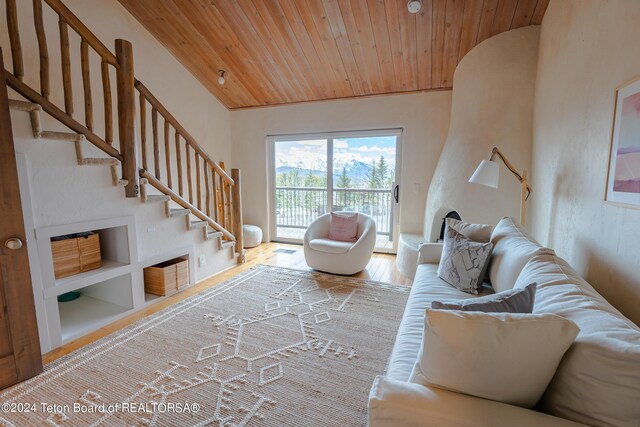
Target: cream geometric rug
<point x="270" y="347"/>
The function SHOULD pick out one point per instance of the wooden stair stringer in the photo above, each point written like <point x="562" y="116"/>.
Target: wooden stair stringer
<point x="191" y="222"/>
<point x="35" y="110"/>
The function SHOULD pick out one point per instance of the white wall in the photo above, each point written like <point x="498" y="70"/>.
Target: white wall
<point x="492" y="105"/>
<point x="423" y="116"/>
<point x="62" y="191"/>
<point x="587" y="48"/>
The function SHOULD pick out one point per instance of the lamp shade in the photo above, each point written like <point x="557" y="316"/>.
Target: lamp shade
<point x="487" y="174"/>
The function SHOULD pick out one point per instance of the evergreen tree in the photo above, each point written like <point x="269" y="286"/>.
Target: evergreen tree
<point x="373" y="176"/>
<point x="383" y="171"/>
<point x="343" y="180"/>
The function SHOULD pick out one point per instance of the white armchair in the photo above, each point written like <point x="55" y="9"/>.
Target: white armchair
<point x="333" y="256"/>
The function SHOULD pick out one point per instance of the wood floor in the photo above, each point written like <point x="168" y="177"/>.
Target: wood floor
<point x="382" y="267"/>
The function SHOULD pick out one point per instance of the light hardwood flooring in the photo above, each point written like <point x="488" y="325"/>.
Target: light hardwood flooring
<point x="382" y="267"/>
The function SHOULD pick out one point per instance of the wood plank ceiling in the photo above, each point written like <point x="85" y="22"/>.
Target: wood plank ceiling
<point x="285" y="51"/>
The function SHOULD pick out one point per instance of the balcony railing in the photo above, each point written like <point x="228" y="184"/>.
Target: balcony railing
<point x="297" y="207"/>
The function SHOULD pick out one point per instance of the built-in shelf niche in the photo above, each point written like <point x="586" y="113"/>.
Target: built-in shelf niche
<point x="183" y="253"/>
<point x="115" y="255"/>
<point x="98" y="304"/>
<point x="106" y="293"/>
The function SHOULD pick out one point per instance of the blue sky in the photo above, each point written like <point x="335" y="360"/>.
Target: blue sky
<point x="310" y="153"/>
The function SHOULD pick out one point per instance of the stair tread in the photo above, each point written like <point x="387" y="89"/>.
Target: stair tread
<point x="179" y="212"/>
<point x="157" y="198"/>
<point x="15" y="104"/>
<point x="62" y="136"/>
<point x="197" y="224"/>
<point x="99" y="161"/>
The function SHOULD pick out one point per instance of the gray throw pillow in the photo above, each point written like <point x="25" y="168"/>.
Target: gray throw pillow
<point x="464" y="262"/>
<point x="512" y="301"/>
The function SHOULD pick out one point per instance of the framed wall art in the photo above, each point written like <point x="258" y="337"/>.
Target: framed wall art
<point x="623" y="183"/>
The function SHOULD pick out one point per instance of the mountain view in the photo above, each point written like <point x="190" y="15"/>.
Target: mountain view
<point x="347" y="174"/>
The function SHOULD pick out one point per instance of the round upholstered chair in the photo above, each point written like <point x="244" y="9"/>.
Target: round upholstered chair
<point x="252" y="235"/>
<point x="337" y="257"/>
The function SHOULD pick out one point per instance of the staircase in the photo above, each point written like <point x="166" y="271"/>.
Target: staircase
<point x="170" y="208"/>
<point x="167" y="166"/>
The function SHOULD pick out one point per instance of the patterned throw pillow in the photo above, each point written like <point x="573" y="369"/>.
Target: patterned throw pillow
<point x="464" y="262"/>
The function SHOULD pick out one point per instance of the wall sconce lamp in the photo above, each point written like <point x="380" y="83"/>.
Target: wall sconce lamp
<point x="488" y="172"/>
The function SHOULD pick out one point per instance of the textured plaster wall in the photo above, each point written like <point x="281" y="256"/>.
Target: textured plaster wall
<point x="587" y="48"/>
<point x="492" y="106"/>
<point x="424" y="118"/>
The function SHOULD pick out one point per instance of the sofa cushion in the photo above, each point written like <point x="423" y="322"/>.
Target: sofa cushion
<point x="499" y="356"/>
<point x="510" y="301"/>
<point x="513" y="247"/>
<point x="395" y="403"/>
<point x="330" y="246"/>
<point x="477" y="232"/>
<point x="598" y="380"/>
<point x="463" y="262"/>
<point x="426" y="287"/>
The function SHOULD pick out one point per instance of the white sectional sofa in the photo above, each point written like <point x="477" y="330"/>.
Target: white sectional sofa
<point x="597" y="382"/>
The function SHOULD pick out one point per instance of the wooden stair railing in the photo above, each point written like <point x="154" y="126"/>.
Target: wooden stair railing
<point x="211" y="194"/>
<point x="183" y="170"/>
<point x="89" y="44"/>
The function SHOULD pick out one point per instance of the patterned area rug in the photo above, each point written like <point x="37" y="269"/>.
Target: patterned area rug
<point x="270" y="347"/>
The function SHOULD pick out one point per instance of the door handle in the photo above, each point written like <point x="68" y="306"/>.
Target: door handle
<point x="396" y="193"/>
<point x="13" y="243"/>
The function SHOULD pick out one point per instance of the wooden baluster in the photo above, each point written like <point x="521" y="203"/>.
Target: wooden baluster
<point x="156" y="150"/>
<point x="237" y="214"/>
<point x="227" y="198"/>
<point x="223" y="219"/>
<point x="214" y="183"/>
<point x="127" y="117"/>
<point x="143" y="130"/>
<point x="108" y="103"/>
<point x="66" y="66"/>
<point x="207" y="205"/>
<point x="199" y="190"/>
<point x="167" y="152"/>
<point x="14" y="39"/>
<point x="86" y="84"/>
<point x="179" y="161"/>
<point x="189" y="178"/>
<point x="42" y="49"/>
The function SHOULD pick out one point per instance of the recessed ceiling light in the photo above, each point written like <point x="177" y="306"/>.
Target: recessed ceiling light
<point x="221" y="77"/>
<point x="414" y="6"/>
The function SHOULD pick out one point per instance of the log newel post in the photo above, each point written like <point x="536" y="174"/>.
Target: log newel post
<point x="126" y="116"/>
<point x="237" y="214"/>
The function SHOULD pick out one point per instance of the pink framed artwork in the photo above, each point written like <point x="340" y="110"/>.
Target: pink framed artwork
<point x="623" y="183"/>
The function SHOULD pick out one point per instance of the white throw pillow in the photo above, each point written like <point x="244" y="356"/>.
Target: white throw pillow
<point x="478" y="232"/>
<point x="513" y="247"/>
<point x="598" y="380"/>
<point x="510" y="358"/>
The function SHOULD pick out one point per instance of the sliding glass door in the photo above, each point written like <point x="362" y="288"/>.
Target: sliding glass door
<point x="315" y="174"/>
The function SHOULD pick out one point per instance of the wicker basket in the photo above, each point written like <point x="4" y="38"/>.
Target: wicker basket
<point x="75" y="254"/>
<point x="167" y="277"/>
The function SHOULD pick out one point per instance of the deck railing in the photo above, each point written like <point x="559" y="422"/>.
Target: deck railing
<point x="297" y="207"/>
